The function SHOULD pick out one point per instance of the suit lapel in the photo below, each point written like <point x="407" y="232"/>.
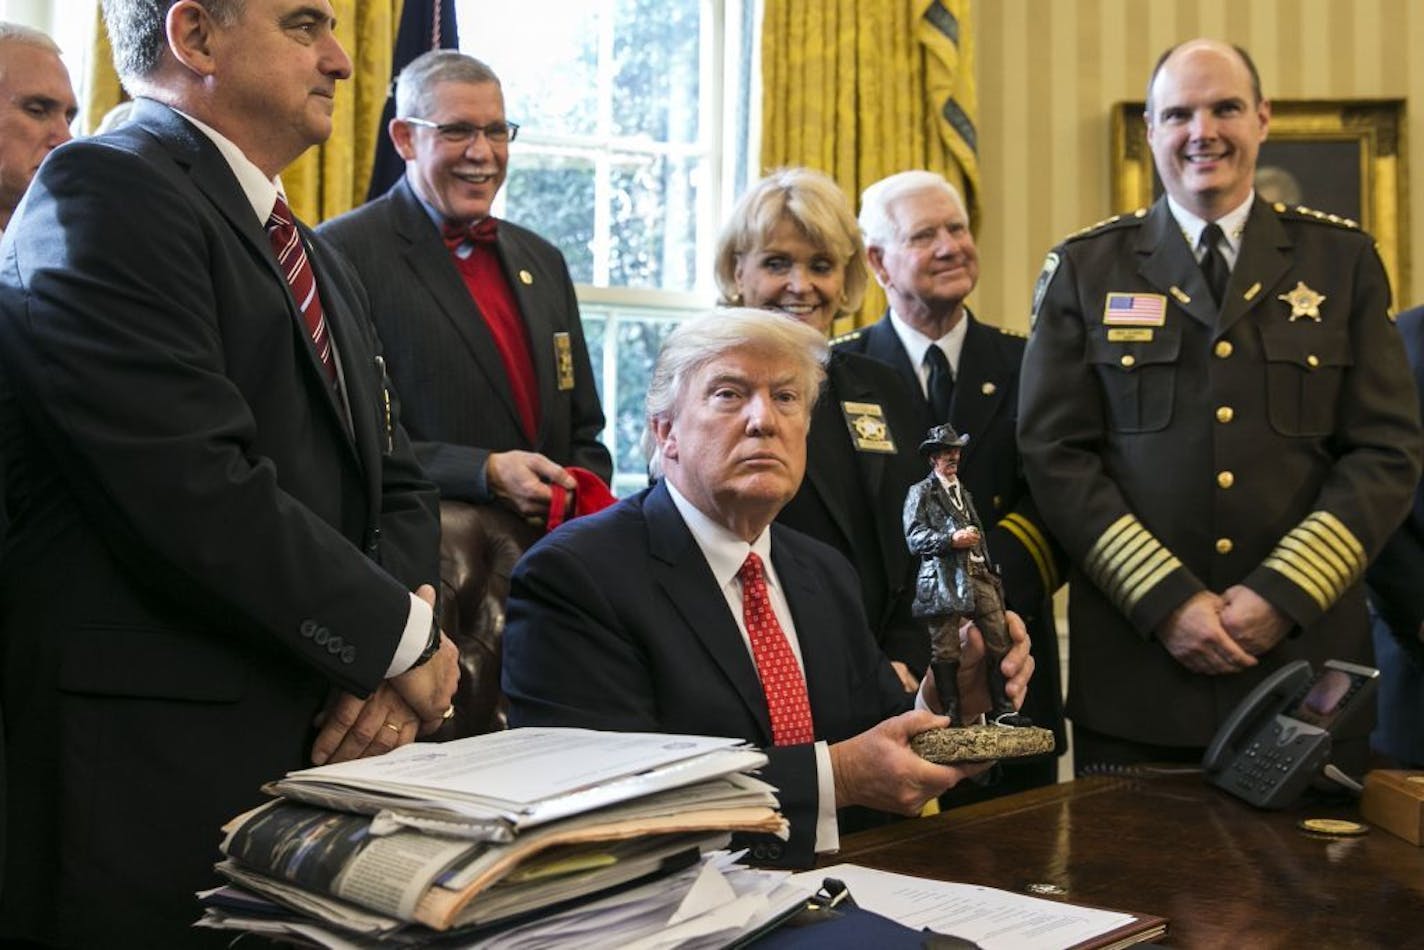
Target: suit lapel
<point x="1264" y="260"/>
<point x="428" y="258"/>
<point x="1166" y="261"/>
<point x="825" y="469"/>
<point x="980" y="363"/>
<point x="682" y="572"/>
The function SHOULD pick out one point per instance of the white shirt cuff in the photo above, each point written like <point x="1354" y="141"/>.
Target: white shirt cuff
<point x="828" y="830"/>
<point x="414" y="638"/>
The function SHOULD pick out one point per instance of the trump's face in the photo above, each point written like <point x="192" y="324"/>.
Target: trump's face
<point x="736" y="444"/>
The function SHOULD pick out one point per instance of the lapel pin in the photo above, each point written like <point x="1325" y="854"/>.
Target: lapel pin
<point x="988" y="389"/>
<point x="526" y="278"/>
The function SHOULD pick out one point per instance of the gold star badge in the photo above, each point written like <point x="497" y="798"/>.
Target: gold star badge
<point x="1304" y="302"/>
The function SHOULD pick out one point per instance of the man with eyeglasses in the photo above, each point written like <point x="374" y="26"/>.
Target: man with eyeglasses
<point x="478" y="316"/>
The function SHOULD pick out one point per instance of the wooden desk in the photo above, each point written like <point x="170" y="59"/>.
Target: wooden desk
<point x="1225" y="874"/>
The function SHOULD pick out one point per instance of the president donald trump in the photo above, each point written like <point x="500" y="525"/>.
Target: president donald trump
<point x="683" y="609"/>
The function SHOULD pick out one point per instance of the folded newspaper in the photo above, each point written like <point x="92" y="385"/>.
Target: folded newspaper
<point x="479" y="830"/>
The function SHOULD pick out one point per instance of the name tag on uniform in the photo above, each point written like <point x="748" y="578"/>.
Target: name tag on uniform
<point x="868" y="428"/>
<point x="564" y="360"/>
<point x="1129" y="334"/>
<point x="1135" y="310"/>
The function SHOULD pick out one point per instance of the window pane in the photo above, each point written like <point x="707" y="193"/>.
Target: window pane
<point x="654" y="222"/>
<point x="546" y="56"/>
<point x="638" y="343"/>
<point x="656" y="47"/>
<point x="552" y="195"/>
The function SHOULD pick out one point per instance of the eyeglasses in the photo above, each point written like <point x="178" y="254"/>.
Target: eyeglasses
<point x="463" y="133"/>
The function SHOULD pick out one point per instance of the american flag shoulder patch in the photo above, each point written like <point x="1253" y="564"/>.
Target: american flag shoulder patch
<point x="1138" y="310"/>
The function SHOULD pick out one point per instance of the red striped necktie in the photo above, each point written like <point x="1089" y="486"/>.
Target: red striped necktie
<point x="292" y="258"/>
<point x="781" y="678"/>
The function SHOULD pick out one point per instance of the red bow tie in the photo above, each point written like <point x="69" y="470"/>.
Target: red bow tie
<point x="481" y="232"/>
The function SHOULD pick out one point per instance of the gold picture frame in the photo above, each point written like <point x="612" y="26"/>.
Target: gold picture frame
<point x="1349" y="153"/>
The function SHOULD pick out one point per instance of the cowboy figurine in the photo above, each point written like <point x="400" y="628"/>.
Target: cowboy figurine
<point x="956" y="581"/>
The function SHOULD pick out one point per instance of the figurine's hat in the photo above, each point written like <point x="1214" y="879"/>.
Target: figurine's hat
<point x="942" y="437"/>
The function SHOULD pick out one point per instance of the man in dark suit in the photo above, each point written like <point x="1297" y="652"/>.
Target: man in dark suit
<point x="1218" y="420"/>
<point x="684" y="609"/>
<point x="1396" y="584"/>
<point x="966" y="373"/>
<point x="478" y="316"/>
<point x="217" y="522"/>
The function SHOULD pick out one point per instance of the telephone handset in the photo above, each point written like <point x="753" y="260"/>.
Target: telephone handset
<point x="1277" y="741"/>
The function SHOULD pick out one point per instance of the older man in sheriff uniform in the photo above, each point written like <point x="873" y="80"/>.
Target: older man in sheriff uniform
<point x="966" y="373"/>
<point x="1217" y="419"/>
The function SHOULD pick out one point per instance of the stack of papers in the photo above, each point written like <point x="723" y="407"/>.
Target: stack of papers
<point x="480" y="831"/>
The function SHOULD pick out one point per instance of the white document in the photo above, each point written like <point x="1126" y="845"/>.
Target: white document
<point x="530" y="776"/>
<point x="994" y="919"/>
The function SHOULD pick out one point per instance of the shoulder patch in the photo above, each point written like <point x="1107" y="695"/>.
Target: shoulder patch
<point x="1040" y="286"/>
<point x="1010" y="331"/>
<point x="847" y="337"/>
<point x="1302" y="213"/>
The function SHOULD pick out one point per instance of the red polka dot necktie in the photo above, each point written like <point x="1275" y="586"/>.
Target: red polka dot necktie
<point x="292" y="257"/>
<point x="781" y="678"/>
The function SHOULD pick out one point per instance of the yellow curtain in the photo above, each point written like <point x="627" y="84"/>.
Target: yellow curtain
<point x="861" y="89"/>
<point x="333" y="177"/>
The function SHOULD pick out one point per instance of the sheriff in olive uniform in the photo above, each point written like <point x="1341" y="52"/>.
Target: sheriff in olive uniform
<point x="1220" y="474"/>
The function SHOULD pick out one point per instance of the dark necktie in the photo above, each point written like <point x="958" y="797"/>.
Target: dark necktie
<point x="481" y="232"/>
<point x="787" y="703"/>
<point x="1213" y="262"/>
<point x="941" y="383"/>
<point x="292" y="258"/>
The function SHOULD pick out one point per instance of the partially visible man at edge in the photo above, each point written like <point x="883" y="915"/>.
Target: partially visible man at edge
<point x="1218" y="420"/>
<point x="217" y="527"/>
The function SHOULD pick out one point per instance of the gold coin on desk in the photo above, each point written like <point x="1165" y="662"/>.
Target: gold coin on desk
<point x="1333" y="826"/>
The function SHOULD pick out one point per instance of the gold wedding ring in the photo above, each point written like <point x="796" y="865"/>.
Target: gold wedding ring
<point x="393" y="727"/>
<point x="449" y="712"/>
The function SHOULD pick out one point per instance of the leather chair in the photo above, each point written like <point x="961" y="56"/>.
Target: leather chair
<point x="479" y="545"/>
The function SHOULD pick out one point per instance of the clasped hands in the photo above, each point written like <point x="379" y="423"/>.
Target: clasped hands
<point x="878" y="769"/>
<point x="403" y="707"/>
<point x="1223" y="633"/>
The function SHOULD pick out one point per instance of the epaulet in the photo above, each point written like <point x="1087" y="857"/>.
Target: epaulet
<point x="1009" y="331"/>
<point x="1131" y="219"/>
<point x="847" y="337"/>
<point x="1302" y="213"/>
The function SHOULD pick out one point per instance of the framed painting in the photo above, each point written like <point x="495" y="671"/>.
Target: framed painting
<point x="1340" y="157"/>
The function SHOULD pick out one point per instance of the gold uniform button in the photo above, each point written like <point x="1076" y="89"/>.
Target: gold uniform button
<point x="1225" y="414"/>
<point x="1127" y="359"/>
<point x="1312" y="361"/>
<point x="1223" y="545"/>
<point x="1223" y="349"/>
<point x="988" y="389"/>
<point x="1225" y="479"/>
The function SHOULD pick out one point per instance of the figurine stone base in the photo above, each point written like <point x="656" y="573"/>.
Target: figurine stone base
<point x="981" y="743"/>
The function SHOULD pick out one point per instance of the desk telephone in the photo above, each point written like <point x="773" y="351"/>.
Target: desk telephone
<point x="1277" y="741"/>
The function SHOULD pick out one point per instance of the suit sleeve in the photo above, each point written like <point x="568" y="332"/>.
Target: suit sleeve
<point x="118" y="347"/>
<point x="1061" y="428"/>
<point x="1376" y="444"/>
<point x="1032" y="562"/>
<point x="571" y="660"/>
